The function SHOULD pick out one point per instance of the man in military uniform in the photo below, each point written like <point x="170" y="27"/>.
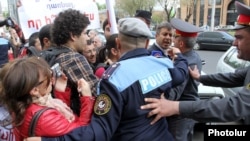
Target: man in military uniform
<point x="223" y="110"/>
<point x="185" y="39"/>
<point x="125" y="84"/>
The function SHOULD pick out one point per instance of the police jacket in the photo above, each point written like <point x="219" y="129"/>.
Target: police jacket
<point x="117" y="114"/>
<point x="227" y="109"/>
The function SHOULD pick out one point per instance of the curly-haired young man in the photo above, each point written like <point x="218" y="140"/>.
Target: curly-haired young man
<point x="69" y="31"/>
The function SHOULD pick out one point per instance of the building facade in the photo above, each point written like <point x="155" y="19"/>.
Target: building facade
<point x="225" y="12"/>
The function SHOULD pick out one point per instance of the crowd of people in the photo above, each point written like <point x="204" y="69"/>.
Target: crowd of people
<point x="114" y="86"/>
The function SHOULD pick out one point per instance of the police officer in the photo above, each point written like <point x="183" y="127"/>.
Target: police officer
<point x="124" y="85"/>
<point x="223" y="110"/>
<point x="185" y="39"/>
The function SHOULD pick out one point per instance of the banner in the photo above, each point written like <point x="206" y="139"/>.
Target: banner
<point x="111" y="17"/>
<point x="33" y="14"/>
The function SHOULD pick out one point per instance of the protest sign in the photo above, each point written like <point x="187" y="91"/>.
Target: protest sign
<point x="33" y="14"/>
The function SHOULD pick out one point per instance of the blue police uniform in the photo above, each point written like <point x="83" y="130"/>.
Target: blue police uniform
<point x="117" y="113"/>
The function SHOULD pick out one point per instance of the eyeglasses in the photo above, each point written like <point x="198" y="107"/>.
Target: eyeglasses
<point x="41" y="82"/>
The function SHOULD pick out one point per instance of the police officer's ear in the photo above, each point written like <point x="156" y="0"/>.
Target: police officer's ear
<point x="118" y="43"/>
<point x="181" y="44"/>
<point x="147" y="43"/>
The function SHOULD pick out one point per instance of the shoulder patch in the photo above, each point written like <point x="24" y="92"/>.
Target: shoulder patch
<point x="102" y="105"/>
<point x="248" y="86"/>
<point x="156" y="53"/>
<point x="110" y="70"/>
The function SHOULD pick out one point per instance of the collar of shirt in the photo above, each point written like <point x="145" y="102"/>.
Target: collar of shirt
<point x="159" y="47"/>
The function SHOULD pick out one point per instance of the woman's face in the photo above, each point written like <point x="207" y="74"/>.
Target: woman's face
<point x="13" y="33"/>
<point x="44" y="85"/>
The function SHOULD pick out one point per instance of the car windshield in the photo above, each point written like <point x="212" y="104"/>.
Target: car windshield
<point x="229" y="36"/>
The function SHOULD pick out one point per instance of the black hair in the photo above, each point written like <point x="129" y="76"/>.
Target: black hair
<point x="105" y="51"/>
<point x="105" y="23"/>
<point x="67" y="23"/>
<point x="45" y="33"/>
<point x="32" y="38"/>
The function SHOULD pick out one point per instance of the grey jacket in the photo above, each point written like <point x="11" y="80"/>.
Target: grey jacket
<point x="227" y="109"/>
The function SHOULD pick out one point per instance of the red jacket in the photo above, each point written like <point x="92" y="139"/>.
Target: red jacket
<point x="52" y="123"/>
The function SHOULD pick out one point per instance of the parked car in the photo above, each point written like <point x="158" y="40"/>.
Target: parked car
<point x="214" y="40"/>
<point x="152" y="39"/>
<point x="205" y="28"/>
<point x="229" y="62"/>
<point x="224" y="27"/>
<point x="208" y="92"/>
<point x="153" y="33"/>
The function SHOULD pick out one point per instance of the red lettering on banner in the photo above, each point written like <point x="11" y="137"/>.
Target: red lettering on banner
<point x="34" y="23"/>
<point x="38" y="23"/>
<point x="49" y="20"/>
<point x="91" y="16"/>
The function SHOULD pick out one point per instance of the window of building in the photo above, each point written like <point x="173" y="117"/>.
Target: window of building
<point x="218" y="2"/>
<point x="216" y="16"/>
<point x="201" y="12"/>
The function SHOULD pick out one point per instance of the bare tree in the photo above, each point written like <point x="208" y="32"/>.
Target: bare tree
<point x="169" y="8"/>
<point x="129" y="7"/>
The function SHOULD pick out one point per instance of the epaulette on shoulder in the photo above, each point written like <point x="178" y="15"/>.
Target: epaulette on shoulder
<point x="110" y="70"/>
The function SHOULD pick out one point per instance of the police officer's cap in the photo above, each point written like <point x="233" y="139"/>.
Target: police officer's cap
<point x="184" y="29"/>
<point x="243" y="19"/>
<point x="134" y="27"/>
<point x="144" y="14"/>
